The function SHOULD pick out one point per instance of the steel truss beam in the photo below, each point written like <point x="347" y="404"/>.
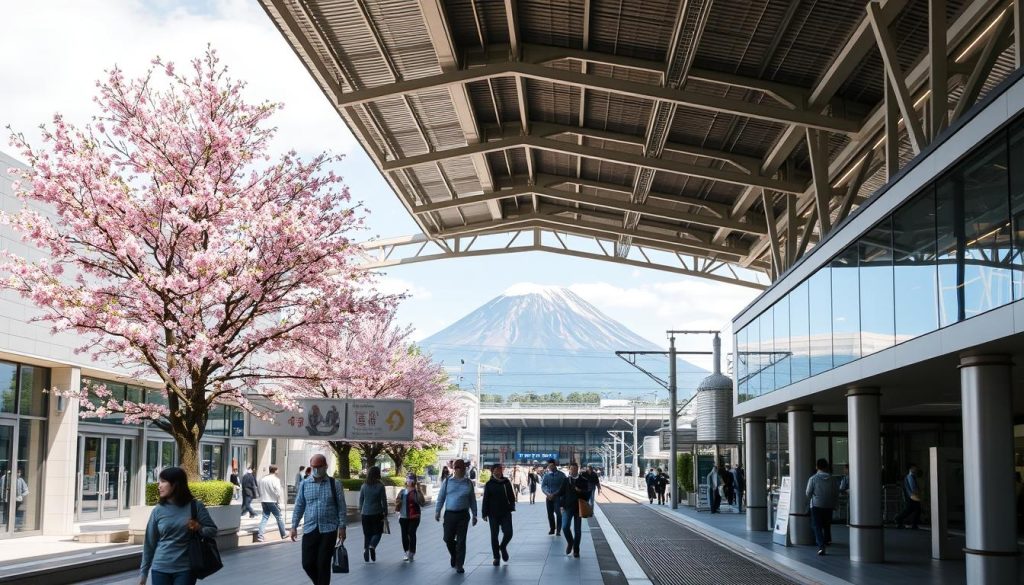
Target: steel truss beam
<point x="419" y="248"/>
<point x="644" y="91"/>
<point x="659" y="164"/>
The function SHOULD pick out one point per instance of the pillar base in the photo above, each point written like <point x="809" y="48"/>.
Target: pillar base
<point x="867" y="544"/>
<point x="800" y="528"/>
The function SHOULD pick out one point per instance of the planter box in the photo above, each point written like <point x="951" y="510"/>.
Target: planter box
<point x="227" y="519"/>
<point x="691" y="500"/>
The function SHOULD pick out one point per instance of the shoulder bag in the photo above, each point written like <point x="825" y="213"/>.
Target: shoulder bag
<point x="203" y="555"/>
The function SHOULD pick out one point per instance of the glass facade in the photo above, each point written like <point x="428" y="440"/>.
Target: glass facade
<point x="23" y="411"/>
<point x="951" y="252"/>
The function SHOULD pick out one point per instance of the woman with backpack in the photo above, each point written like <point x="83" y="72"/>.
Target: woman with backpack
<point x="409" y="506"/>
<point x="373" y="507"/>
<point x="171" y="526"/>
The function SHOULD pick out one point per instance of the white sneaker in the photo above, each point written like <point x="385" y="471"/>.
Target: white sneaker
<point x="407" y="557"/>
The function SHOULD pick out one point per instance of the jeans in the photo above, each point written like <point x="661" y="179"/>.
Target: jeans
<point x="373" y="527"/>
<point x="821" y="523"/>
<point x="554" y="514"/>
<point x="409" y="526"/>
<point x="317" y="555"/>
<point x="456" y="525"/>
<point x="739" y="500"/>
<point x="247" y="506"/>
<point x="505" y="524"/>
<point x="661" y="495"/>
<point x="572" y="526"/>
<point x="180" y="578"/>
<point x="271" y="508"/>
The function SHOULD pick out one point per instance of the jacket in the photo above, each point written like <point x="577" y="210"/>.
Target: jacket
<point x="373" y="499"/>
<point x="499" y="498"/>
<point x="714" y="479"/>
<point x="573" y="490"/>
<point x="551" y="483"/>
<point x="250" y="488"/>
<point x="822" y="490"/>
<point x="402" y="502"/>
<point x="270" y="489"/>
<point x="649" y="478"/>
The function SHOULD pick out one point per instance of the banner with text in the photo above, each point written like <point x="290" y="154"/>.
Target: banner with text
<point x="338" y="420"/>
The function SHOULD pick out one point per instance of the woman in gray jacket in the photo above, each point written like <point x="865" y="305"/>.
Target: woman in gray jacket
<point x="373" y="507"/>
<point x="409" y="505"/>
<point x="170" y="528"/>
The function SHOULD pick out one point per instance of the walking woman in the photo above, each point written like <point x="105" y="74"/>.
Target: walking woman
<point x="170" y="528"/>
<point x="532" y="480"/>
<point x="409" y="505"/>
<point x="497" y="507"/>
<point x="373" y="506"/>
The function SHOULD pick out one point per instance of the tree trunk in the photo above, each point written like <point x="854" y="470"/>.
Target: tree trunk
<point x="186" y="425"/>
<point x="398" y="454"/>
<point x="371" y="451"/>
<point x="342" y="452"/>
<point x="188" y="453"/>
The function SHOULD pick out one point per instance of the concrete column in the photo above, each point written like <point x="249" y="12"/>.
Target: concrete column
<point x="263" y="457"/>
<point x="801" y="468"/>
<point x="866" y="535"/>
<point x="61" y="455"/>
<point x="519" y="441"/>
<point x="987" y="398"/>
<point x="757" y="473"/>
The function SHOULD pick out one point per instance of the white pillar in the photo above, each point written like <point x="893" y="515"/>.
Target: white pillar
<point x="987" y="400"/>
<point x="801" y="468"/>
<point x="263" y="448"/>
<point x="61" y="456"/>
<point x="757" y="472"/>
<point x="866" y="535"/>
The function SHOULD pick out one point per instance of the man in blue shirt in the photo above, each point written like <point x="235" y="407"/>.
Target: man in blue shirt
<point x="458" y="499"/>
<point x="322" y="501"/>
<point x="911" y="499"/>
<point x="551" y="485"/>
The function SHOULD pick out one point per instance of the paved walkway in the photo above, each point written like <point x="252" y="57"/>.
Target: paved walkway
<point x="535" y="558"/>
<point x="908" y="552"/>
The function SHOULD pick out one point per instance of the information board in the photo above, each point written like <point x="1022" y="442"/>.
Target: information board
<point x="780" y="533"/>
<point x="703" y="503"/>
<point x="379" y="420"/>
<point x="337" y="420"/>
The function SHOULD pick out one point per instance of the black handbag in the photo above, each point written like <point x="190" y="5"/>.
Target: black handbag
<point x="203" y="555"/>
<point x="340" y="563"/>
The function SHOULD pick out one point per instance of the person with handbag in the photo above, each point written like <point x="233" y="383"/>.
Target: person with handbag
<point x="458" y="500"/>
<point x="575" y="491"/>
<point x="498" y="504"/>
<point x="409" y="506"/>
<point x="321" y="501"/>
<point x="911" y="499"/>
<point x="171" y="529"/>
<point x="373" y="509"/>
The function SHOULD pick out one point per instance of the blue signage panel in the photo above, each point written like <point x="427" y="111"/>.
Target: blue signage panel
<point x="536" y="456"/>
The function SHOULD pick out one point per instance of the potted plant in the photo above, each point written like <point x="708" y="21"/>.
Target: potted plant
<point x="215" y="495"/>
<point x="684" y="465"/>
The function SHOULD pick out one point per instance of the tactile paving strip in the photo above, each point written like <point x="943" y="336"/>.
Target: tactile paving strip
<point x="671" y="554"/>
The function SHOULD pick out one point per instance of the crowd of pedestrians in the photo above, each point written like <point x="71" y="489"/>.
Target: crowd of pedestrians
<point x="321" y="510"/>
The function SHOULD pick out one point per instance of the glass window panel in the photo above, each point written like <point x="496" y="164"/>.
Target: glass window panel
<point x="740" y="343"/>
<point x="8" y="386"/>
<point x="167" y="458"/>
<point x="799" y="333"/>
<point x="34" y="382"/>
<point x="781" y="352"/>
<point x="216" y="423"/>
<point x="877" y="317"/>
<point x="754" y="363"/>
<point x="765" y="323"/>
<point x="845" y="307"/>
<point x="974" y="234"/>
<point x="1016" y="156"/>
<point x="914" y="267"/>
<point x="820" y="318"/>
<point x="152" y="460"/>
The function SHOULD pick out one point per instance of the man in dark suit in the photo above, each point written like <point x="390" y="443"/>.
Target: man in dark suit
<point x="250" y="491"/>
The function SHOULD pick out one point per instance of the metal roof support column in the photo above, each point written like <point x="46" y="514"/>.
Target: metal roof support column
<point x="982" y="67"/>
<point x="938" y="113"/>
<point x="805" y="238"/>
<point x="773" y="236"/>
<point x="892" y="131"/>
<point x="791" y="234"/>
<point x="853" y="187"/>
<point x="1018" y="32"/>
<point x="894" y="73"/>
<point x="817" y="147"/>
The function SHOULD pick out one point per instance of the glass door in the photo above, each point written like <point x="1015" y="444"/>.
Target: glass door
<point x="113" y="495"/>
<point x="8" y="479"/>
<point x="104" y="477"/>
<point x="90" y="475"/>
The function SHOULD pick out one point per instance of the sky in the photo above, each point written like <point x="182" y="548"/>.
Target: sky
<point x="52" y="53"/>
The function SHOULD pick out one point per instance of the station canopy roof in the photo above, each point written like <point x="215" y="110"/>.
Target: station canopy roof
<point x="702" y="137"/>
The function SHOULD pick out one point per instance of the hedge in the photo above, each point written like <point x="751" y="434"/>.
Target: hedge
<point x="353" y="485"/>
<point x="210" y="493"/>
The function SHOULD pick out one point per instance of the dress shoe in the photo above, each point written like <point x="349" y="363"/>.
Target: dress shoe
<point x="504" y="554"/>
<point x="568" y="549"/>
<point x="373" y="554"/>
<point x="495" y="562"/>
<point x="366" y="555"/>
<point x="821" y="552"/>
<point x="460" y="570"/>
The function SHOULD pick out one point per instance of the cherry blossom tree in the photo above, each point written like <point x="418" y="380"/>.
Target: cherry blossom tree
<point x="180" y="249"/>
<point x="374" y="359"/>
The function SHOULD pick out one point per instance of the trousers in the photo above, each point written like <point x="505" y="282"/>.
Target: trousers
<point x="409" y="527"/>
<point x="554" y="513"/>
<point x="456" y="525"/>
<point x="271" y="509"/>
<point x="317" y="555"/>
<point x="572" y="527"/>
<point x="821" y="523"/>
<point x="505" y="524"/>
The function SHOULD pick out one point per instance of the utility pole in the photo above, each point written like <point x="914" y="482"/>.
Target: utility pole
<point x="673" y="421"/>
<point x="636" y="469"/>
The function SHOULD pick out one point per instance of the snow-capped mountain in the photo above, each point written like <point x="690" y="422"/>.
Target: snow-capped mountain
<point x="548" y="339"/>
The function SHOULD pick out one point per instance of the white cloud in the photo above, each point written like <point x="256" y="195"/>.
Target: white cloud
<point x="392" y="286"/>
<point x="51" y="54"/>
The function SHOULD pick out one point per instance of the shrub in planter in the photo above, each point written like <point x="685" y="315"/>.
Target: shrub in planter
<point x="210" y="493"/>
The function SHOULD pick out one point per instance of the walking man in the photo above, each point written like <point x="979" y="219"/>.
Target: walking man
<point x="551" y="485"/>
<point x="660" y="484"/>
<point x="322" y="501"/>
<point x="715" y="489"/>
<point x="574" y="489"/>
<point x="650" y="479"/>
<point x="458" y="499"/>
<point x="250" y="491"/>
<point x="739" y="481"/>
<point x="911" y="499"/>
<point x="498" y="504"/>
<point x="823" y="494"/>
<point x="270" y="497"/>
